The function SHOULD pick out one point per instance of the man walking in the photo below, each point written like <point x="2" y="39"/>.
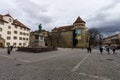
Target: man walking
<point x="113" y="50"/>
<point x="101" y="50"/>
<point x="108" y="50"/>
<point x="8" y="49"/>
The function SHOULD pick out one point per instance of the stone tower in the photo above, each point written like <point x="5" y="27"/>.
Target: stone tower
<point x="81" y="34"/>
<point x="74" y="35"/>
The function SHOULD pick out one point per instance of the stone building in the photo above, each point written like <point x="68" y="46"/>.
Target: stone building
<point x="74" y="35"/>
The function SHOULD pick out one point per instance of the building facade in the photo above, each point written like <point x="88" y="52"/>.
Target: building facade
<point x="113" y="40"/>
<point x="13" y="31"/>
<point x="74" y="35"/>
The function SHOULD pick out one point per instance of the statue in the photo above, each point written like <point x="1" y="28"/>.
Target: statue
<point x="40" y="28"/>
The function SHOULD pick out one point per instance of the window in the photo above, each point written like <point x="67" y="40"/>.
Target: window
<point x="21" y="28"/>
<point x="10" y="20"/>
<point x="14" y="44"/>
<point x="20" y="38"/>
<point x="24" y="44"/>
<point x="23" y="38"/>
<point x="15" y="32"/>
<point x="26" y="38"/>
<point x="8" y="32"/>
<point x="0" y="29"/>
<point x="7" y="43"/>
<point x="20" y="44"/>
<point x="8" y="37"/>
<point x="24" y="34"/>
<point x="20" y="33"/>
<point x="9" y="27"/>
<point x="15" y="37"/>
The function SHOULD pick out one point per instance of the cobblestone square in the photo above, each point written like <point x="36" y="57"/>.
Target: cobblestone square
<point x="64" y="64"/>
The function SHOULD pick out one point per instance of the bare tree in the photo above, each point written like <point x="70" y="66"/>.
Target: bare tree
<point x="95" y="37"/>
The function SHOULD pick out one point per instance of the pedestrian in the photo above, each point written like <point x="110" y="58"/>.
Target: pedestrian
<point x="113" y="50"/>
<point x="11" y="47"/>
<point x="90" y="49"/>
<point x="8" y="49"/>
<point x="108" y="50"/>
<point x="101" y="50"/>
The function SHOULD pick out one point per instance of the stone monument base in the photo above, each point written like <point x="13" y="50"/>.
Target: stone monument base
<point x="37" y="50"/>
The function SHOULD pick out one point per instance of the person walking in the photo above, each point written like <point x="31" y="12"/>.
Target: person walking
<point x="101" y="50"/>
<point x="108" y="50"/>
<point x="90" y="49"/>
<point x="113" y="50"/>
<point x="8" y="49"/>
<point x="11" y="47"/>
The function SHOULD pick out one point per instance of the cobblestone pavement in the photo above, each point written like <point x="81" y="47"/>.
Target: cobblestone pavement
<point x="64" y="64"/>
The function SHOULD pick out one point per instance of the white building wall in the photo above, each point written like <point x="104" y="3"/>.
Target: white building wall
<point x="5" y="29"/>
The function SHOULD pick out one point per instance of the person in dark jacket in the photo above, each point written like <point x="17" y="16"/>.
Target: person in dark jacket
<point x="11" y="48"/>
<point x="113" y="50"/>
<point x="108" y="50"/>
<point x="101" y="50"/>
<point x="90" y="49"/>
<point x="8" y="49"/>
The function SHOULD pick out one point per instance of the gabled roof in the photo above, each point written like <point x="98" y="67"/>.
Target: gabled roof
<point x="15" y="21"/>
<point x="18" y="23"/>
<point x="79" y="20"/>
<point x="8" y="15"/>
<point x="1" y="19"/>
<point x="65" y="28"/>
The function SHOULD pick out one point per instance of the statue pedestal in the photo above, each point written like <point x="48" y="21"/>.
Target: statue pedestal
<point x="39" y="41"/>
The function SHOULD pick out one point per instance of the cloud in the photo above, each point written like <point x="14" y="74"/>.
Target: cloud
<point x="30" y="13"/>
<point x="102" y="14"/>
<point x="107" y="19"/>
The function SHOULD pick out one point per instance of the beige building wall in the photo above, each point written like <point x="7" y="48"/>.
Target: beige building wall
<point x="8" y="33"/>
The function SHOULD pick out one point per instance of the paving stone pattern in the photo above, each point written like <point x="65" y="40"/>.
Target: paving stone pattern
<point x="64" y="64"/>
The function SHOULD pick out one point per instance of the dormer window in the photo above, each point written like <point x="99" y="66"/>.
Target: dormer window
<point x="10" y="20"/>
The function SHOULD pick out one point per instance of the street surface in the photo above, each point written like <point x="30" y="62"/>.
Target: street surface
<point x="64" y="64"/>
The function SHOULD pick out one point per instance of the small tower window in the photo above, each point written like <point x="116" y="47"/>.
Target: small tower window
<point x="10" y="20"/>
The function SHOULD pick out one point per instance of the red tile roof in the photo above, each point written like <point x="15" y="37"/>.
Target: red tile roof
<point x="79" y="20"/>
<point x="18" y="23"/>
<point x="8" y="15"/>
<point x="67" y="28"/>
<point x="63" y="28"/>
<point x="15" y="21"/>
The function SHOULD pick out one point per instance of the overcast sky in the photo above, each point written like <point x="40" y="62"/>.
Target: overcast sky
<point x="102" y="14"/>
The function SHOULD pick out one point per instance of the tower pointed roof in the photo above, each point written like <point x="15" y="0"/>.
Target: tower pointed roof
<point x="8" y="15"/>
<point x="79" y="20"/>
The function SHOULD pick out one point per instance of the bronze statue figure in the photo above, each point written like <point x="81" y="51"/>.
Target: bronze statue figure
<point x="40" y="28"/>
